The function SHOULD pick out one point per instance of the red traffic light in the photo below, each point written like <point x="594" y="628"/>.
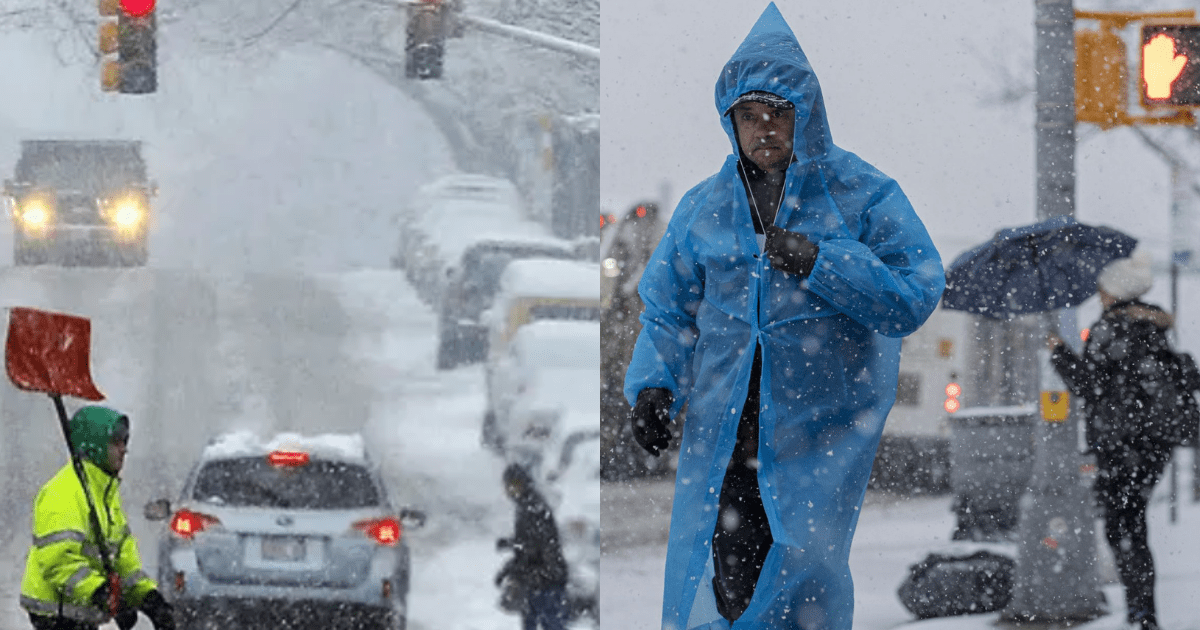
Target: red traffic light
<point x="137" y="8"/>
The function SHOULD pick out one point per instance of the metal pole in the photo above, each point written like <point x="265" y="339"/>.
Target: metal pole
<point x="1176" y="252"/>
<point x="1056" y="577"/>
<point x="583" y="51"/>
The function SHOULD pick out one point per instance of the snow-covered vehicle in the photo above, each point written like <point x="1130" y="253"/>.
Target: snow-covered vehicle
<point x="449" y="214"/>
<point x="534" y="290"/>
<point x="569" y="474"/>
<point x="293" y="531"/>
<point x="551" y="370"/>
<point x="80" y="202"/>
<point x="462" y="335"/>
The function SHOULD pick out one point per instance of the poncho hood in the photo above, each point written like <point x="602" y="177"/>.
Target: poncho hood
<point x="770" y="60"/>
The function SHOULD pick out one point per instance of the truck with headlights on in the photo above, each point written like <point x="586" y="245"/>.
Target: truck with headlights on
<point x="80" y="203"/>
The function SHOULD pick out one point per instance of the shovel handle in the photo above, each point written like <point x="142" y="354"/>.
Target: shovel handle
<point x="93" y="515"/>
<point x="114" y="593"/>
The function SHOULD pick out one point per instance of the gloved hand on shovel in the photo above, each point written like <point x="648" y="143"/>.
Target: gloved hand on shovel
<point x="126" y="617"/>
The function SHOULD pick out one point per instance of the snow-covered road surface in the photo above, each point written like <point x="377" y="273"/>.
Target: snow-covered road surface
<point x="189" y="355"/>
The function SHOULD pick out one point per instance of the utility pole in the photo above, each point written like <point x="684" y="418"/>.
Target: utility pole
<point x="1185" y="204"/>
<point x="1056" y="577"/>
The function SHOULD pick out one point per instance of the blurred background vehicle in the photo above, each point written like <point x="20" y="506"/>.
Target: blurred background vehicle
<point x="569" y="476"/>
<point x="551" y="369"/>
<point x="626" y="244"/>
<point x="473" y="282"/>
<point x="446" y="217"/>
<point x="532" y="290"/>
<point x="80" y="202"/>
<point x="293" y="530"/>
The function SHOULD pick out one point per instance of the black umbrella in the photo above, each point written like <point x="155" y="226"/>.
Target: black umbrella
<point x="1033" y="268"/>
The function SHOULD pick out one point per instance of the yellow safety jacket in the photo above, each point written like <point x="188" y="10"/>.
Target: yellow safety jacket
<point x="64" y="568"/>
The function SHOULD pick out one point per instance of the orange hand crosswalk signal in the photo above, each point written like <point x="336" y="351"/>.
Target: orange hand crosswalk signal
<point x="1170" y="68"/>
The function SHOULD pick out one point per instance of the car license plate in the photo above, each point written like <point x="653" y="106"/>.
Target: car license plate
<point x="283" y="548"/>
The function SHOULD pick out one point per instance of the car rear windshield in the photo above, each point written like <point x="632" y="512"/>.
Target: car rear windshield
<point x="318" y="485"/>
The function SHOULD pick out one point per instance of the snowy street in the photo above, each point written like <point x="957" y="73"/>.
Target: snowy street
<point x="191" y="355"/>
<point x="893" y="534"/>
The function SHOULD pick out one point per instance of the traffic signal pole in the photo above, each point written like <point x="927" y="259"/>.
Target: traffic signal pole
<point x="535" y="38"/>
<point x="1056" y="562"/>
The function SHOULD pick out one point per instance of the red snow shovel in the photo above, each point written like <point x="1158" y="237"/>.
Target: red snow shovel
<point x="48" y="352"/>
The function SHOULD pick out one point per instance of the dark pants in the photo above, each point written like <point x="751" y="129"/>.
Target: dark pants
<point x="42" y="622"/>
<point x="547" y="609"/>
<point x="743" y="535"/>
<point x="1127" y="477"/>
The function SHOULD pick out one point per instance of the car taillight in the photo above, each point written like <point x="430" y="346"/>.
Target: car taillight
<point x="288" y="458"/>
<point x="385" y="531"/>
<point x="186" y="523"/>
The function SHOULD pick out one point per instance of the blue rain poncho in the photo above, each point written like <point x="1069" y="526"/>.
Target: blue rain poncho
<point x="830" y="350"/>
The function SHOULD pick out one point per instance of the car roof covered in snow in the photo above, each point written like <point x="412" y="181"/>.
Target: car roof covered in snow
<point x="347" y="447"/>
<point x="551" y="278"/>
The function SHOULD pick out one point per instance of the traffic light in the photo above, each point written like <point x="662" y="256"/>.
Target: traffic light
<point x="1100" y="92"/>
<point x="425" y="39"/>
<point x="952" y="404"/>
<point x="1171" y="64"/>
<point x="131" y="38"/>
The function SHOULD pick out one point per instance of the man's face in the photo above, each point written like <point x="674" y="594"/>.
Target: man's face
<point x="116" y="455"/>
<point x="765" y="134"/>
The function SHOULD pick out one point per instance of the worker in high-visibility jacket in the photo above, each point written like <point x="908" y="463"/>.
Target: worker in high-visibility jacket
<point x="66" y="586"/>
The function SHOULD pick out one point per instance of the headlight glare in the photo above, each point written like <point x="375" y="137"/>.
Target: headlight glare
<point x="127" y="215"/>
<point x="35" y="214"/>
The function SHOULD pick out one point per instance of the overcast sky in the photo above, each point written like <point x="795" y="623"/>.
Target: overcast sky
<point x="910" y="87"/>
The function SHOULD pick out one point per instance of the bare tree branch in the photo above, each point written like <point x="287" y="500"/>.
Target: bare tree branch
<point x="255" y="37"/>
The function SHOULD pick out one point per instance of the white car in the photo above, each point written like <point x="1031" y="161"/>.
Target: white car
<point x="281" y="532"/>
<point x="551" y="368"/>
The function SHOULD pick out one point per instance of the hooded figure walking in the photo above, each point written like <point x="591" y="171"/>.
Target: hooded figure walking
<point x="537" y="571"/>
<point x="774" y="306"/>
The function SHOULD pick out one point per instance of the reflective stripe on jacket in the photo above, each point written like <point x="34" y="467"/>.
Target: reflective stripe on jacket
<point x="63" y="567"/>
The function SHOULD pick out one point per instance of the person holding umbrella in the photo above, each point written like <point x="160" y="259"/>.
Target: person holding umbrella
<point x="83" y="568"/>
<point x="774" y="307"/>
<point x="1123" y="350"/>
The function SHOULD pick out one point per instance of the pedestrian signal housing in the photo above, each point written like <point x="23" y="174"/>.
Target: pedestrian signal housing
<point x="1170" y="68"/>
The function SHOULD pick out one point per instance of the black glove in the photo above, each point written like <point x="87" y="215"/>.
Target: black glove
<point x="649" y="419"/>
<point x="100" y="597"/>
<point x="790" y="251"/>
<point x="504" y="571"/>
<point x="126" y="618"/>
<point x="159" y="611"/>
